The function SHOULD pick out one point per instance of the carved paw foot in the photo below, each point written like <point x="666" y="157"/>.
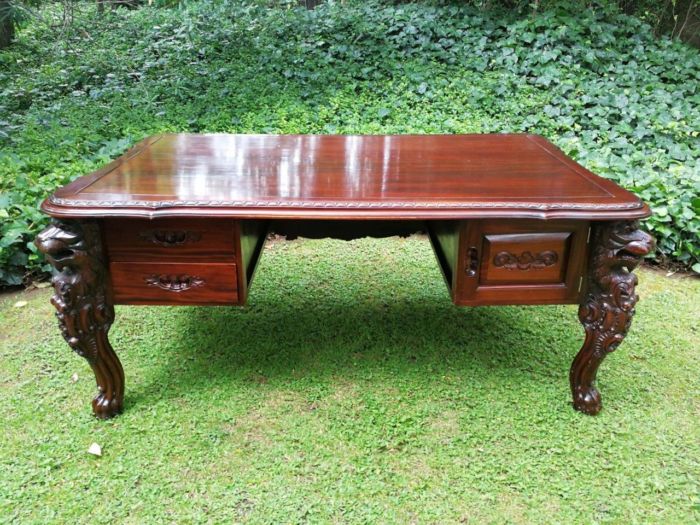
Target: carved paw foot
<point x="105" y="408"/>
<point x="587" y="401"/>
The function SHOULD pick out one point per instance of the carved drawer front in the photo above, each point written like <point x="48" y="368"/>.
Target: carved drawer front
<point x="520" y="258"/>
<point x="170" y="239"/>
<point x="521" y="262"/>
<point x="174" y="283"/>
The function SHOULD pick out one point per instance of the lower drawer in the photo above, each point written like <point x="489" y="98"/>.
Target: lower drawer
<point x="174" y="283"/>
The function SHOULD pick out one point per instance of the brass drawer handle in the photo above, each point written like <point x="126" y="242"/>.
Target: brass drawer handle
<point x="170" y="238"/>
<point x="174" y="283"/>
<point x="472" y="261"/>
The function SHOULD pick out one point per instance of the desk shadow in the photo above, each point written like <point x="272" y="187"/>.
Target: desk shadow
<point x="322" y="338"/>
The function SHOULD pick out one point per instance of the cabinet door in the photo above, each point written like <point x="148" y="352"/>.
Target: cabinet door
<point x="521" y="262"/>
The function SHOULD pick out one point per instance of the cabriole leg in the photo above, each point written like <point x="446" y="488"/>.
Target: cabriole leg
<point x="608" y="306"/>
<point x="84" y="309"/>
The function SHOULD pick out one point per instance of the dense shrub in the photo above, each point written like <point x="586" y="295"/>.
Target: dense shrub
<point x="597" y="83"/>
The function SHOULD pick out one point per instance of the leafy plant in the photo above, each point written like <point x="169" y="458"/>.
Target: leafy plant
<point x="596" y="82"/>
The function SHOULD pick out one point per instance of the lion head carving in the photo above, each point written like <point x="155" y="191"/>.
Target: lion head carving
<point x="621" y="247"/>
<point x="65" y="247"/>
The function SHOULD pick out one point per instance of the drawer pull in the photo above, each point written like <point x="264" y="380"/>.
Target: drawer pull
<point x="472" y="261"/>
<point x="174" y="283"/>
<point x="170" y="237"/>
<point x="525" y="260"/>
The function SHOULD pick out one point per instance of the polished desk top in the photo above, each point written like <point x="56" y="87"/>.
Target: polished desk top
<point x="345" y="176"/>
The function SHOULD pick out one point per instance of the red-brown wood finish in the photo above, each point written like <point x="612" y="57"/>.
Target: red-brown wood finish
<point x="84" y="304"/>
<point x="520" y="262"/>
<point x="339" y="176"/>
<point x="170" y="239"/>
<point x="607" y="309"/>
<point x="174" y="283"/>
<point x="182" y="219"/>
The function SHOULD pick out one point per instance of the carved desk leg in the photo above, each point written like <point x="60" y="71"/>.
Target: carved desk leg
<point x="84" y="309"/>
<point x="607" y="309"/>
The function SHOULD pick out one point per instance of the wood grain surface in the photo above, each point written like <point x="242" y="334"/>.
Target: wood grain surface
<point x="345" y="176"/>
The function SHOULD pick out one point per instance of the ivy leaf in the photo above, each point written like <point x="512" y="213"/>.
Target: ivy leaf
<point x="552" y="111"/>
<point x="695" y="203"/>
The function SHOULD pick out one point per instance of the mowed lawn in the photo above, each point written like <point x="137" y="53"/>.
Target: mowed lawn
<point x="350" y="390"/>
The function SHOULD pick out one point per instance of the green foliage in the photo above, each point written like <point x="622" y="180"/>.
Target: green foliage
<point x="351" y="391"/>
<point x="596" y="82"/>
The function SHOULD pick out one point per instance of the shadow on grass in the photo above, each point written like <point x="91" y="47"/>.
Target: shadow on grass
<point x="318" y="338"/>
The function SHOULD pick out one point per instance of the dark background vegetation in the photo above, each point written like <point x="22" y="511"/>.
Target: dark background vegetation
<point x="614" y="85"/>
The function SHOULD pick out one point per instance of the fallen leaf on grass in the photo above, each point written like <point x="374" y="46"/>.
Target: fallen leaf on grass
<point x="95" y="450"/>
<point x="20" y="304"/>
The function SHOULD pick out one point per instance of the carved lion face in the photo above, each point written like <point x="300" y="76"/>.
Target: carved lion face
<point x="629" y="244"/>
<point x="61" y="246"/>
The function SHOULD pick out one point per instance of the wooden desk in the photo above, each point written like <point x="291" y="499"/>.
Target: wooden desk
<point x="182" y="219"/>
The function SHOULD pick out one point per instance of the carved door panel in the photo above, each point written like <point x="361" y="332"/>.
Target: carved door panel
<point x="525" y="261"/>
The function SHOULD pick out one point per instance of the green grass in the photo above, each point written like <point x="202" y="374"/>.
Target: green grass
<point x="350" y="390"/>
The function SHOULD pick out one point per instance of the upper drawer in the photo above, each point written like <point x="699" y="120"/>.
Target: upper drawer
<point x="170" y="239"/>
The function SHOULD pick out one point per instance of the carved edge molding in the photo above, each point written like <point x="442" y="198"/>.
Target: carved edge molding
<point x="525" y="260"/>
<point x="83" y="308"/>
<point x="606" y="312"/>
<point x="340" y="204"/>
<point x="175" y="283"/>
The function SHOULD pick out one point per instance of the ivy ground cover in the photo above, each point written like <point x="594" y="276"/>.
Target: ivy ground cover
<point x="594" y="81"/>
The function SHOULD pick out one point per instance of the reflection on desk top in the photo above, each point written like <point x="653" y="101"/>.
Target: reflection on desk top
<point x="345" y="176"/>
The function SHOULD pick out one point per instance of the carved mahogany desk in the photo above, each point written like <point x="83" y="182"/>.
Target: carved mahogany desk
<point x="182" y="219"/>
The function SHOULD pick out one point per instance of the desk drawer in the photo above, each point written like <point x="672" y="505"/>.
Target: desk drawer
<point x="521" y="262"/>
<point x="521" y="258"/>
<point x="170" y="239"/>
<point x="174" y="283"/>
